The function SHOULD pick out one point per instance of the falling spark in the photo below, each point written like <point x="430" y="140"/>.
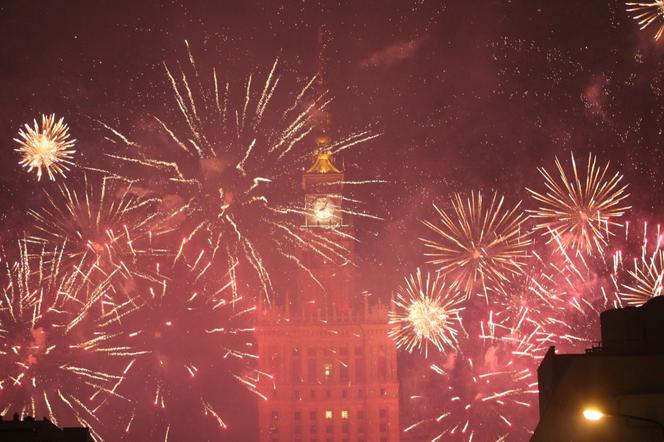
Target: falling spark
<point x="477" y="242"/>
<point x="646" y="274"/>
<point x="57" y="358"/>
<point x="488" y="398"/>
<point x="578" y="210"/>
<point x="227" y="162"/>
<point x="181" y="324"/>
<point x="108" y="223"/>
<point x="46" y="147"/>
<point x="424" y="313"/>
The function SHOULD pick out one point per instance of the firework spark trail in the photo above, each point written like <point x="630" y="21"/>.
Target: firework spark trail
<point x="228" y="163"/>
<point x="47" y="147"/>
<point x="477" y="243"/>
<point x="579" y="210"/>
<point x="645" y="275"/>
<point x="52" y="362"/>
<point x="426" y="312"/>
<point x="108" y="222"/>
<point x="177" y="326"/>
<point x="487" y="397"/>
<point x="647" y="13"/>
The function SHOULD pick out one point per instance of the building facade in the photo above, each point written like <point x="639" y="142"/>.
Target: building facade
<point x="330" y="370"/>
<point x="623" y="379"/>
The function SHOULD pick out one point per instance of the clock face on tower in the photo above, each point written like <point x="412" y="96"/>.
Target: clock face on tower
<point x="322" y="210"/>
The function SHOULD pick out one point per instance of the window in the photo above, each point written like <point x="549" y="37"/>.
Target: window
<point x="359" y="351"/>
<point x="328" y="414"/>
<point x="328" y="429"/>
<point x="344" y="414"/>
<point x="383" y="439"/>
<point x="313" y="429"/>
<point x="328" y="394"/>
<point x="298" y="429"/>
<point x="360" y="429"/>
<point x="383" y="428"/>
<point x="343" y="371"/>
<point x="383" y="392"/>
<point x="327" y="371"/>
<point x="312" y="394"/>
<point x="312" y="415"/>
<point x="296" y="351"/>
<point x="344" y="393"/>
<point x="297" y="415"/>
<point x="383" y="412"/>
<point x="345" y="428"/>
<point x="297" y="371"/>
<point x="343" y="351"/>
<point x="360" y="414"/>
<point x="359" y="370"/>
<point x="297" y="395"/>
<point x="275" y="415"/>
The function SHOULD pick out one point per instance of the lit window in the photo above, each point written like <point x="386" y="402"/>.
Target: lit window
<point x="327" y="371"/>
<point x="328" y="414"/>
<point x="344" y="414"/>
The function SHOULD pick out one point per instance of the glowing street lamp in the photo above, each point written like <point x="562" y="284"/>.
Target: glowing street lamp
<point x="594" y="414"/>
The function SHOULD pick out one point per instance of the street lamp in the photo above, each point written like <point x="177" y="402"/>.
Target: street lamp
<point x="594" y="414"/>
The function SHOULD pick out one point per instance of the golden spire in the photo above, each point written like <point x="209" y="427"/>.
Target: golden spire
<point x="323" y="163"/>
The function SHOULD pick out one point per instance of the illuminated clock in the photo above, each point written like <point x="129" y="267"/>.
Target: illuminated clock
<point x="323" y="209"/>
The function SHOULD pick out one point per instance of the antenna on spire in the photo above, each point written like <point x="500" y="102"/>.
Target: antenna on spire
<point x="322" y="118"/>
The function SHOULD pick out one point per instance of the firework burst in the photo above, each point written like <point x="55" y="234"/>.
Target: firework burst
<point x="188" y="329"/>
<point x="108" y="226"/>
<point x="577" y="211"/>
<point x="477" y="242"/>
<point x="57" y="358"/>
<point x="647" y="13"/>
<point x="485" y="398"/>
<point x="646" y="274"/>
<point x="224" y="161"/>
<point x="47" y="147"/>
<point x="424" y="313"/>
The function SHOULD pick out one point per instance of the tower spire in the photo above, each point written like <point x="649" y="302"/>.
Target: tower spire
<point x="322" y="119"/>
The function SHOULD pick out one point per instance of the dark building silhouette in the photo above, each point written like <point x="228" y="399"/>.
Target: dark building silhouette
<point x="623" y="378"/>
<point x="31" y="430"/>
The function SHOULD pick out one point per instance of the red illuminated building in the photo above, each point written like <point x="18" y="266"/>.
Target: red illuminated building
<point x="333" y="367"/>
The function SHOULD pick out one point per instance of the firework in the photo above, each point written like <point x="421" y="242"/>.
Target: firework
<point x="57" y="358"/>
<point x="648" y="13"/>
<point x="226" y="160"/>
<point x="425" y="312"/>
<point x="578" y="211"/>
<point x="646" y="274"/>
<point x="187" y="328"/>
<point x="109" y="225"/>
<point x="490" y="397"/>
<point x="477" y="242"/>
<point x="46" y="148"/>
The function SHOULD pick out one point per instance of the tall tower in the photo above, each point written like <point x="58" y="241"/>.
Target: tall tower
<point x="331" y="368"/>
<point x="332" y="372"/>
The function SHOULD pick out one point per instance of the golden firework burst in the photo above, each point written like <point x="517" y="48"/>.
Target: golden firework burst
<point x="647" y="13"/>
<point x="426" y="312"/>
<point x="477" y="242"/>
<point x="47" y="147"/>
<point x="577" y="211"/>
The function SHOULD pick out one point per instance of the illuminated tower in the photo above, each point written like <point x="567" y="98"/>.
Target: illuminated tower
<point x="332" y="367"/>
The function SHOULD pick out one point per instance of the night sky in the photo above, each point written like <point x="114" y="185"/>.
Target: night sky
<point x="468" y="95"/>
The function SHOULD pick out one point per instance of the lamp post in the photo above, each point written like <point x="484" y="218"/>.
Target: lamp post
<point x="594" y="414"/>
